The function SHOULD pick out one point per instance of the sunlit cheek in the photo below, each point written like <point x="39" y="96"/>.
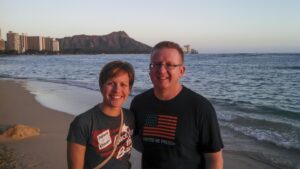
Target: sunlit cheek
<point x="127" y="92"/>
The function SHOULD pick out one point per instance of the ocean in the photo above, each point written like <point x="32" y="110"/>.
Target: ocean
<point x="256" y="96"/>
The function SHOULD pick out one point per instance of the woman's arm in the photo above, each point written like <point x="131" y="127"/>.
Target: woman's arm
<point x="75" y="155"/>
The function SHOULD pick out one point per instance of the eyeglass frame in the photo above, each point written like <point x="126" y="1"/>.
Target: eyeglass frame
<point x="167" y="66"/>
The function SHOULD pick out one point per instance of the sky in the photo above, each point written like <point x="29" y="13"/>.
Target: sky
<point x="209" y="26"/>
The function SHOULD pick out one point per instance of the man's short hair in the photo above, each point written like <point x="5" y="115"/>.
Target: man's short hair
<point x="168" y="44"/>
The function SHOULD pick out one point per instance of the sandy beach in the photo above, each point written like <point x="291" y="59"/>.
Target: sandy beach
<point x="48" y="150"/>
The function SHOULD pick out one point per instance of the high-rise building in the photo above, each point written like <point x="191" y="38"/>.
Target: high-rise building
<point x="55" y="45"/>
<point x="13" y="41"/>
<point x="35" y="43"/>
<point x="48" y="44"/>
<point x="2" y="45"/>
<point x="23" y="43"/>
<point x="51" y="44"/>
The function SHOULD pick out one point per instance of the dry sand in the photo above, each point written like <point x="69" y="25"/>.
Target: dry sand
<point x="48" y="150"/>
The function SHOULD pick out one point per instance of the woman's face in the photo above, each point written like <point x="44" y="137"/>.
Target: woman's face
<point x="116" y="90"/>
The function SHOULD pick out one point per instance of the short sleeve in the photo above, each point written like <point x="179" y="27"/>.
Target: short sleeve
<point x="137" y="142"/>
<point x="209" y="135"/>
<point x="78" y="132"/>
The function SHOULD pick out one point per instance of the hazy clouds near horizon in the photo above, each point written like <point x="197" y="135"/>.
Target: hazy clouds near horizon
<point x="208" y="26"/>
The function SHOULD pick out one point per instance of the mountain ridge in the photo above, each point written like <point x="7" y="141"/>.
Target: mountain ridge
<point x="114" y="42"/>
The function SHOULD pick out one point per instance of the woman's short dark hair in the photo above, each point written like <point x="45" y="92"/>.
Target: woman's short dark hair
<point x="168" y="44"/>
<point x="113" y="68"/>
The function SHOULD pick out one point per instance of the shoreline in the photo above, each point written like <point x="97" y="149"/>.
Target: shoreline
<point x="48" y="150"/>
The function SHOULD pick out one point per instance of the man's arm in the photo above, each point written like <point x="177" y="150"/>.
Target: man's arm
<point x="75" y="155"/>
<point x="214" y="160"/>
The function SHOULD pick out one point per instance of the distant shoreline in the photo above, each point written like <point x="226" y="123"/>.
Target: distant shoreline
<point x="60" y="53"/>
<point x="225" y="54"/>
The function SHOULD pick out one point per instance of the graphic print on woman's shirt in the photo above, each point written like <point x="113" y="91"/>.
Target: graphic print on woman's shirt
<point x="103" y="141"/>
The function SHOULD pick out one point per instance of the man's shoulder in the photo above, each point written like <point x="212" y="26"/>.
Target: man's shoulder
<point x="128" y="112"/>
<point x="144" y="94"/>
<point x="194" y="95"/>
<point x="142" y="98"/>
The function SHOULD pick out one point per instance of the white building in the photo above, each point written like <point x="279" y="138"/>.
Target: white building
<point x="187" y="49"/>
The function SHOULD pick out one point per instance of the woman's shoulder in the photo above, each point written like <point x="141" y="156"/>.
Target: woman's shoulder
<point x="87" y="115"/>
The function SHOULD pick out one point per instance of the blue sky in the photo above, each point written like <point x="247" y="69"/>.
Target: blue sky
<point x="210" y="26"/>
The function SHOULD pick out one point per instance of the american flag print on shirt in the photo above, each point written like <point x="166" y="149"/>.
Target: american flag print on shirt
<point x="160" y="126"/>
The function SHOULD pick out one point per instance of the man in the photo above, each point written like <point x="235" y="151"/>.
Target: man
<point x="178" y="127"/>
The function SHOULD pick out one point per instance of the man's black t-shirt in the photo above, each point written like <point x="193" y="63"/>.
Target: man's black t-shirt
<point x="176" y="133"/>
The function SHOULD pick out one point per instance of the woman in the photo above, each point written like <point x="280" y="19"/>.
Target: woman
<point x="101" y="137"/>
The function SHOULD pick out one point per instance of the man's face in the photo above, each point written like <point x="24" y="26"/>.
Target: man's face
<point x="166" y="69"/>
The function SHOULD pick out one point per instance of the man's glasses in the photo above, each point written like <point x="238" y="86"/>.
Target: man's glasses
<point x="157" y="66"/>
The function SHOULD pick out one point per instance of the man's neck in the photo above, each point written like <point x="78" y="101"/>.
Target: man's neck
<point x="167" y="94"/>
